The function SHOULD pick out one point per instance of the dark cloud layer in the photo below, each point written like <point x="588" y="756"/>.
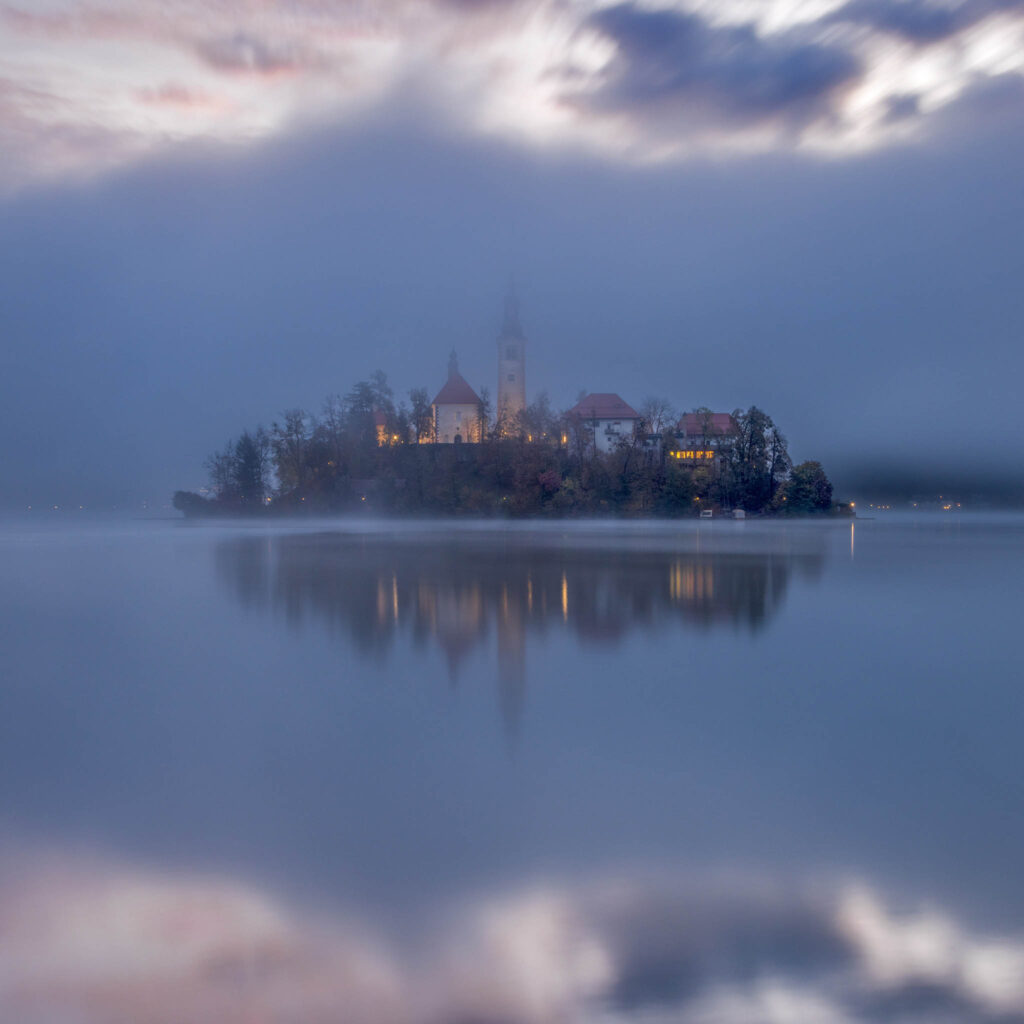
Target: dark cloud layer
<point x="671" y="61"/>
<point x="673" y="947"/>
<point x="922" y="21"/>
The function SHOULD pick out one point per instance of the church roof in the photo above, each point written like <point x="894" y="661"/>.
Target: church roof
<point x="692" y="424"/>
<point x="604" y="406"/>
<point x="456" y="391"/>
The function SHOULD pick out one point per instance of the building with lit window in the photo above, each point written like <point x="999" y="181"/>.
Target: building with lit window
<point x="702" y="436"/>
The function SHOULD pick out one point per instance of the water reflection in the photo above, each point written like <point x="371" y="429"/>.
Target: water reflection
<point x="453" y="592"/>
<point x="457" y="592"/>
<point x="110" y="943"/>
<point x="821" y="825"/>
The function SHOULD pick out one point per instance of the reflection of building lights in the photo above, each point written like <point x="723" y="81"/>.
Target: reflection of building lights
<point x="692" y="582"/>
<point x="394" y="596"/>
<point x="565" y="598"/>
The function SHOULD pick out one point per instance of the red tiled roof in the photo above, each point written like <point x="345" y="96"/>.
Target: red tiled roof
<point x="692" y="424"/>
<point x="456" y="392"/>
<point x="603" y="406"/>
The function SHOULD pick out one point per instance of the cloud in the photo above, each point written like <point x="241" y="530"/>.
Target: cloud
<point x="246" y="53"/>
<point x="629" y="81"/>
<point x="674" y="63"/>
<point x="94" y="940"/>
<point x="922" y="21"/>
<point x="173" y="94"/>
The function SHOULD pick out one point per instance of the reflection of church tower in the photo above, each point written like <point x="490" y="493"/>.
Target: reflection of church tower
<point x="511" y="661"/>
<point x="511" y="362"/>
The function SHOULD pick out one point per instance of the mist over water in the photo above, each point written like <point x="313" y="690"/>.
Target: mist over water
<point x="433" y="772"/>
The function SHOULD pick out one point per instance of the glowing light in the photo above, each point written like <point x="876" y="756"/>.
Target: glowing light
<point x="565" y="598"/>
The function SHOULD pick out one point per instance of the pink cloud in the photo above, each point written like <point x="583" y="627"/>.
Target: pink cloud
<point x="181" y="97"/>
<point x="99" y="942"/>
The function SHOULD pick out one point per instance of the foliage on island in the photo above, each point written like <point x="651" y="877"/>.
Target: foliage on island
<point x="365" y="452"/>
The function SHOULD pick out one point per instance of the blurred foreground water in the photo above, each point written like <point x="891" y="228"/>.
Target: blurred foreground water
<point x="728" y="772"/>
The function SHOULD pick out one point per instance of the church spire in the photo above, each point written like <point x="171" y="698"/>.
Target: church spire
<point x="511" y="327"/>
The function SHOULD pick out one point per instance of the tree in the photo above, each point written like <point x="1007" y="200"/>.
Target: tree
<point x="807" y="490"/>
<point x="332" y="428"/>
<point x="757" y="460"/>
<point x="483" y="415"/>
<point x="657" y="414"/>
<point x="537" y="421"/>
<point x="290" y="442"/>
<point x="421" y="415"/>
<point x="221" y="467"/>
<point x="778" y="460"/>
<point x="251" y="466"/>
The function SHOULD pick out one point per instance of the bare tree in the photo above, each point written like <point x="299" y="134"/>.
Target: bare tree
<point x="658" y="415"/>
<point x="421" y="415"/>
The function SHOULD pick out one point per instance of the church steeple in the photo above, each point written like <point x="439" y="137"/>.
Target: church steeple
<point x="511" y="327"/>
<point x="511" y="363"/>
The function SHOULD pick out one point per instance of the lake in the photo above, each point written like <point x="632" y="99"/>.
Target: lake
<point x="475" y="772"/>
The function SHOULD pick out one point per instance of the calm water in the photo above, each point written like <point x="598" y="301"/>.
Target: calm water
<point x="724" y="773"/>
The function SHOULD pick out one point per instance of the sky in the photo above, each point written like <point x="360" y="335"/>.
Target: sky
<point x="211" y="212"/>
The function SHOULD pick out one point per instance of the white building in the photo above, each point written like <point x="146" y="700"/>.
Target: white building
<point x="456" y="409"/>
<point x="609" y="419"/>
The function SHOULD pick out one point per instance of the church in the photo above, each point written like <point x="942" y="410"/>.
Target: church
<point x="457" y="407"/>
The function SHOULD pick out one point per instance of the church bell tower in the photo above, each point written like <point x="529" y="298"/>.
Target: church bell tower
<point x="511" y="363"/>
